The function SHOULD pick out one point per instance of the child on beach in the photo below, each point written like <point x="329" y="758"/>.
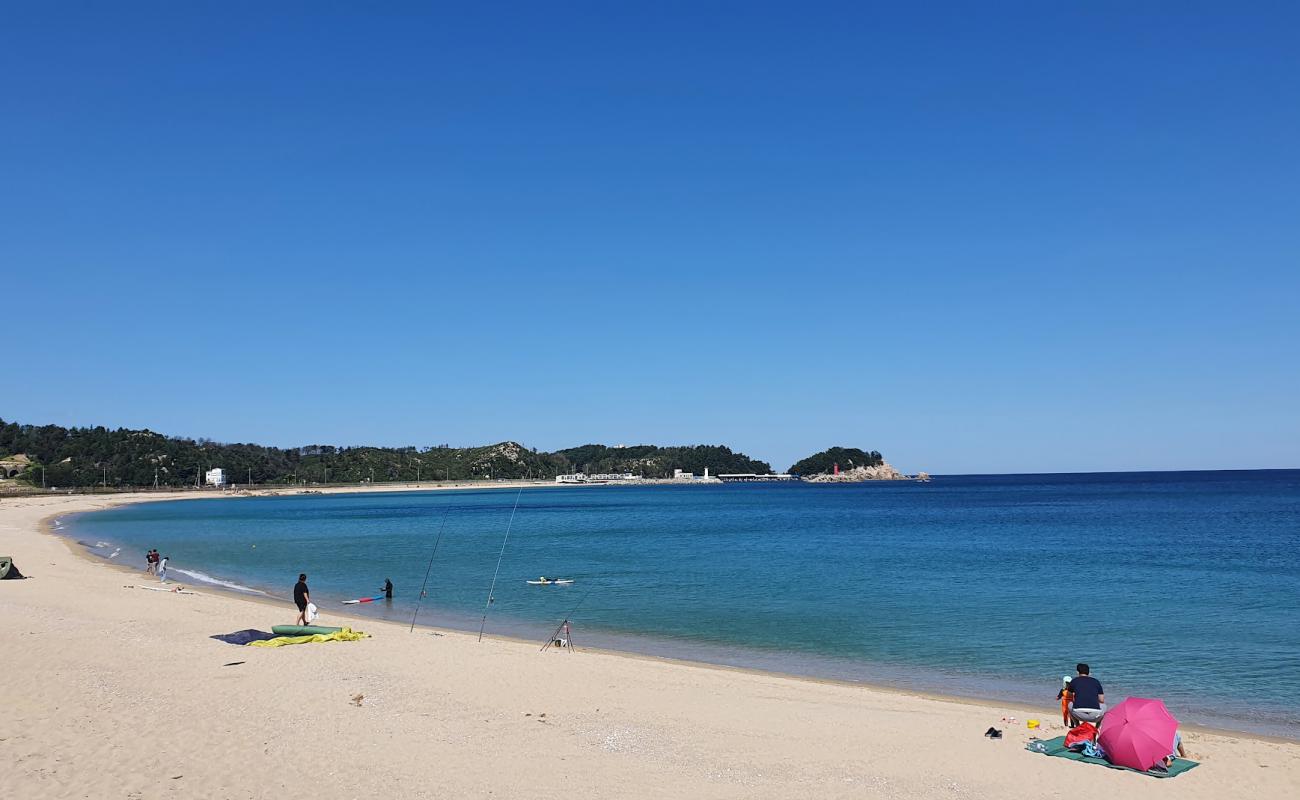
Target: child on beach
<point x="1066" y="697"/>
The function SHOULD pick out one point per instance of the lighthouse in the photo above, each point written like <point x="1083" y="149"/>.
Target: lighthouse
<point x="836" y="469"/>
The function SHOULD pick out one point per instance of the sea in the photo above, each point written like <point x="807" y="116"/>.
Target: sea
<point x="1179" y="585"/>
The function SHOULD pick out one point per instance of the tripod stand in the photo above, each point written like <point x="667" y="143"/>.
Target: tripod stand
<point x="563" y="637"/>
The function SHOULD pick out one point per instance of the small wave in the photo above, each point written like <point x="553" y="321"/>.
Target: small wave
<point x="101" y="544"/>
<point x="115" y="552"/>
<point x="204" y="577"/>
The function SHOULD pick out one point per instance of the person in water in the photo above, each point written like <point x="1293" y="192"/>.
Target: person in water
<point x="388" y="588"/>
<point x="301" y="597"/>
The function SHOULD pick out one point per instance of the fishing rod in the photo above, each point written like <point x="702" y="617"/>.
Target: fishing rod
<point x="491" y="589"/>
<point x="443" y="526"/>
<point x="568" y="617"/>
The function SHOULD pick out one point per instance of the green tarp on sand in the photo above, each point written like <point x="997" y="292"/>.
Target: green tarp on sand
<point x="1056" y="747"/>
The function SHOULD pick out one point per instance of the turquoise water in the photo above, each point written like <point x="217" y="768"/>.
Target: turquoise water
<point x="1184" y="586"/>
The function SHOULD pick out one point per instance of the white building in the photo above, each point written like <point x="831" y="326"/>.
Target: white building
<point x="604" y="477"/>
<point x="215" y="477"/>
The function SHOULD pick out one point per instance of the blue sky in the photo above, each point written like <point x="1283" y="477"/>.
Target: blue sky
<point x="986" y="237"/>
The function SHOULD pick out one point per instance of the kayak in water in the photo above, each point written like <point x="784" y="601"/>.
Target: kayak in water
<point x="545" y="581"/>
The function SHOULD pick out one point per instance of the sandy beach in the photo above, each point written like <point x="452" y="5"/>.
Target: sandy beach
<point x="115" y="692"/>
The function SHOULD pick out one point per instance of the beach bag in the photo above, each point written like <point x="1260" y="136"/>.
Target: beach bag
<point x="311" y="615"/>
<point x="1085" y="732"/>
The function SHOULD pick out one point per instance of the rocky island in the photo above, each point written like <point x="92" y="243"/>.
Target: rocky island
<point x="849" y="465"/>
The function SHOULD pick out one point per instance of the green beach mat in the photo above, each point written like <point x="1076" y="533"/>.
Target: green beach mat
<point x="1056" y="747"/>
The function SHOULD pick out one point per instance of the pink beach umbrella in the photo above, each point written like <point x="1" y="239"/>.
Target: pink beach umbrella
<point x="1138" y="733"/>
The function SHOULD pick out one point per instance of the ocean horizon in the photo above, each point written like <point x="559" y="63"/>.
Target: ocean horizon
<point x="1179" y="585"/>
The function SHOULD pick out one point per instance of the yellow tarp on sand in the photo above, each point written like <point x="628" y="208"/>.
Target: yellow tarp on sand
<point x="345" y="635"/>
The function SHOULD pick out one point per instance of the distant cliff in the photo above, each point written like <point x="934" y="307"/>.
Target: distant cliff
<point x="879" y="472"/>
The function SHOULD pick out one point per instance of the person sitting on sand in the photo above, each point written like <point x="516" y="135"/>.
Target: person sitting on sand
<point x="1177" y="750"/>
<point x="1066" y="697"/>
<point x="1089" y="704"/>
<point x="301" y="597"/>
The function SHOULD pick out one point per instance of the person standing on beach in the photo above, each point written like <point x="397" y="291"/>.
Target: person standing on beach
<point x="1089" y="704"/>
<point x="150" y="560"/>
<point x="162" y="567"/>
<point x="301" y="597"/>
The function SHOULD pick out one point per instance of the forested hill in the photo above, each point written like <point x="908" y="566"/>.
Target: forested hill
<point x="121" y="457"/>
<point x="660" y="461"/>
<point x="847" y="457"/>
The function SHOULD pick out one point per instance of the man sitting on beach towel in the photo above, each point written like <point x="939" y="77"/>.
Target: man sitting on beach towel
<point x="1089" y="703"/>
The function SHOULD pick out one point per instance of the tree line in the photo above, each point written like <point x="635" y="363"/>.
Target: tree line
<point x="123" y="458"/>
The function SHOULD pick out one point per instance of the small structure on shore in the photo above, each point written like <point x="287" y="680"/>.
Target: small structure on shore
<point x="13" y="466"/>
<point x="215" y="477"/>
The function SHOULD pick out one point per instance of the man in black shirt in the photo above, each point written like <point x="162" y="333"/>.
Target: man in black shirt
<point x="301" y="597"/>
<point x="388" y="589"/>
<point x="1089" y="704"/>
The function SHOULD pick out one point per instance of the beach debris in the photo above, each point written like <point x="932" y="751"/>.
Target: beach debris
<point x="233" y="664"/>
<point x="176" y="588"/>
<point x="993" y="733"/>
<point x="357" y="699"/>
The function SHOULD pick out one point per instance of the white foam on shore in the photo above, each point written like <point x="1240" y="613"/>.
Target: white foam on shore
<point x="205" y="578"/>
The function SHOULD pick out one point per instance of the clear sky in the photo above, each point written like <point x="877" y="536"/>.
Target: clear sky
<point x="978" y="237"/>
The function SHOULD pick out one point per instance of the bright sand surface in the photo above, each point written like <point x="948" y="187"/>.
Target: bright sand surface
<point x="109" y="691"/>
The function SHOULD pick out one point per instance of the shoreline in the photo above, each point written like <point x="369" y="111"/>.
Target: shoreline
<point x="268" y="598"/>
<point x="88" y="660"/>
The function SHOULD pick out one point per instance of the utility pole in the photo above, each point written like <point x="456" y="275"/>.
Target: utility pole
<point x="250" y="477"/>
<point x="42" y="476"/>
